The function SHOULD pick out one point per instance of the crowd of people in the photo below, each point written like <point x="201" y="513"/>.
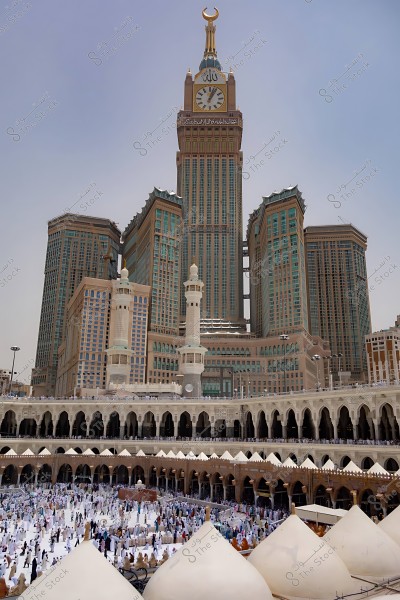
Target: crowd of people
<point x="38" y="526"/>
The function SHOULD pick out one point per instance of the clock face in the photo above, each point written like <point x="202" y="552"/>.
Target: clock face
<point x="209" y="97"/>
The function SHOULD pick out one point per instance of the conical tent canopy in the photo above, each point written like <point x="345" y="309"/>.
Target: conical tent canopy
<point x="180" y="454"/>
<point x="352" y="467"/>
<point x="213" y="455"/>
<point x="45" y="452"/>
<point x="226" y="456"/>
<point x="140" y="453"/>
<point x="378" y="469"/>
<point x="88" y="452"/>
<point x="161" y="454"/>
<point x="10" y="452"/>
<point x="283" y="559"/>
<point x="106" y="452"/>
<point x="289" y="463"/>
<point x="124" y="453"/>
<point x="255" y="457"/>
<point x="171" y="454"/>
<point x="83" y="574"/>
<point x="28" y="452"/>
<point x="217" y="572"/>
<point x="71" y="451"/>
<point x="202" y="456"/>
<point x="391" y="525"/>
<point x="274" y="460"/>
<point x="240" y="457"/>
<point x="329" y="465"/>
<point x="191" y="455"/>
<point x="365" y="548"/>
<point x="308" y="464"/>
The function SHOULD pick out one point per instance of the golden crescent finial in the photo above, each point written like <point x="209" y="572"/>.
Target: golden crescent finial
<point x="210" y="18"/>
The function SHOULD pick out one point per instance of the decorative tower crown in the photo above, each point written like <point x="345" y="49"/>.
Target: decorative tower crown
<point x="210" y="53"/>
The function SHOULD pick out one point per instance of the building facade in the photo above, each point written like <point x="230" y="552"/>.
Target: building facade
<point x="209" y="164"/>
<point x="278" y="288"/>
<point x="78" y="246"/>
<point x="152" y="245"/>
<point x="383" y="354"/>
<point x="338" y="297"/>
<point x="106" y="337"/>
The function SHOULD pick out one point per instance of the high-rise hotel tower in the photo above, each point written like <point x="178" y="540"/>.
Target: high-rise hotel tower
<point x="209" y="164"/>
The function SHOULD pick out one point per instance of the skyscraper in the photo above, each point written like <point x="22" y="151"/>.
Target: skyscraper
<point x="209" y="164"/>
<point x="338" y="298"/>
<point x="278" y="288"/>
<point x="78" y="246"/>
<point x="152" y="250"/>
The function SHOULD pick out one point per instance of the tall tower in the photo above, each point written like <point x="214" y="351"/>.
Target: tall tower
<point x="209" y="170"/>
<point x="192" y="353"/>
<point x="119" y="353"/>
<point x="338" y="296"/>
<point x="78" y="246"/>
<point x="278" y="288"/>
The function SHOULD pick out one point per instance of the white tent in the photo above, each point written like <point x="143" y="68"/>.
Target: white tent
<point x="308" y="464"/>
<point x="280" y="558"/>
<point x="213" y="455"/>
<point x="83" y="574"/>
<point x="140" y="453"/>
<point x="289" y="463"/>
<point x="106" y="452"/>
<point x="320" y="514"/>
<point x="365" y="548"/>
<point x="255" y="457"/>
<point x="273" y="460"/>
<point x="391" y="525"/>
<point x="71" y="451"/>
<point x="352" y="468"/>
<point x="28" y="452"/>
<point x="226" y="456"/>
<point x="202" y="456"/>
<point x="161" y="454"/>
<point x="240" y="457"/>
<point x="44" y="452"/>
<point x="329" y="465"/>
<point x="88" y="452"/>
<point x="378" y="469"/>
<point x="11" y="452"/>
<point x="124" y="453"/>
<point x="171" y="454"/>
<point x="180" y="454"/>
<point x="191" y="455"/>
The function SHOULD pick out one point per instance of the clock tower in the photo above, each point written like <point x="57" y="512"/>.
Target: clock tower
<point x="209" y="165"/>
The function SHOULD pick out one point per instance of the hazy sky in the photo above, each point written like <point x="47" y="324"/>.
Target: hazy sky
<point x="83" y="82"/>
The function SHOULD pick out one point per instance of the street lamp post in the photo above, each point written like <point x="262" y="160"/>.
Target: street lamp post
<point x="284" y="337"/>
<point x="316" y="358"/>
<point x="13" y="349"/>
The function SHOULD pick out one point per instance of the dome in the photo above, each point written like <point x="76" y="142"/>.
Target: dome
<point x="295" y="562"/>
<point x="210" y="61"/>
<point x="391" y="525"/>
<point x="207" y="567"/>
<point x="83" y="574"/>
<point x="364" y="547"/>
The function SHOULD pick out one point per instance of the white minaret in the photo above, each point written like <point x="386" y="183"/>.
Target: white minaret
<point x="192" y="353"/>
<point x="119" y="352"/>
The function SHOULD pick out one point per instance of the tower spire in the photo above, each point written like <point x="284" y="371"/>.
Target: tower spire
<point x="210" y="49"/>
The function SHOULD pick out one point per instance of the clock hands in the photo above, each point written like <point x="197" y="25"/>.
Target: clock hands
<point x="212" y="94"/>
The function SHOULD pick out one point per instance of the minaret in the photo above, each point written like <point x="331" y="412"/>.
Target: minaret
<point x="192" y="353"/>
<point x="119" y="352"/>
